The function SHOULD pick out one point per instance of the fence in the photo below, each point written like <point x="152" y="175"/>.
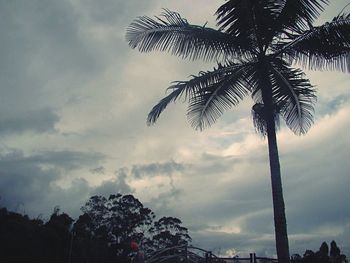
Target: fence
<point x="190" y="254"/>
<point x="252" y="259"/>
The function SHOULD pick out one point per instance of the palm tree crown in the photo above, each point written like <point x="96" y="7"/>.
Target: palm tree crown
<point x="261" y="37"/>
<point x="255" y="46"/>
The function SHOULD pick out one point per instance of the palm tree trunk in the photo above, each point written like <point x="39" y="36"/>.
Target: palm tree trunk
<point x="282" y="246"/>
<point x="281" y="236"/>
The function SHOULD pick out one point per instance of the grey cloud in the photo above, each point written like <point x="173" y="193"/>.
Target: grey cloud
<point x="242" y="243"/>
<point x="68" y="199"/>
<point x="217" y="164"/>
<point x="43" y="55"/>
<point x="162" y="203"/>
<point x="98" y="170"/>
<point x="67" y="160"/>
<point x="316" y="193"/>
<point x="114" y="186"/>
<point x="55" y="54"/>
<point x="31" y="179"/>
<point x="24" y="183"/>
<point x="316" y="189"/>
<point x="331" y="106"/>
<point x="153" y="169"/>
<point x="38" y="121"/>
<point x="35" y="27"/>
<point x="113" y="12"/>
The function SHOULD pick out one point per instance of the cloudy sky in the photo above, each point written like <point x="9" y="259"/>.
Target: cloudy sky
<point x="73" y="106"/>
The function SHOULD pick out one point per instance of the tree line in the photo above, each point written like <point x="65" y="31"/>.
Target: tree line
<point x="104" y="232"/>
<point x="323" y="255"/>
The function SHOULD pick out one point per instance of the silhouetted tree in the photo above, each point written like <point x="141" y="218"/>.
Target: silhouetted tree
<point x="123" y="218"/>
<point x="30" y="240"/>
<point x="168" y="232"/>
<point x="335" y="255"/>
<point x="323" y="255"/>
<point x="256" y="45"/>
<point x="101" y="234"/>
<point x="58" y="236"/>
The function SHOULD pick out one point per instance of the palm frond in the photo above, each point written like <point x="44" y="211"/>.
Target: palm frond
<point x="189" y="89"/>
<point x="294" y="96"/>
<point x="154" y="114"/>
<point x="298" y="15"/>
<point x="248" y="19"/>
<point x="215" y="97"/>
<point x="172" y="33"/>
<point x="324" y="47"/>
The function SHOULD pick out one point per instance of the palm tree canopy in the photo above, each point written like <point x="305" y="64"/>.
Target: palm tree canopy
<point x="254" y="38"/>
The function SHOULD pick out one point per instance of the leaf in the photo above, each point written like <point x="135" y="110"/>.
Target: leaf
<point x="298" y="15"/>
<point x="202" y="87"/>
<point x="213" y="99"/>
<point x="323" y="47"/>
<point x="294" y="95"/>
<point x="175" y="35"/>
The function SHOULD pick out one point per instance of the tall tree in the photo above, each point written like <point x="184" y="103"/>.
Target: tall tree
<point x="168" y="232"/>
<point x="256" y="44"/>
<point x="121" y="217"/>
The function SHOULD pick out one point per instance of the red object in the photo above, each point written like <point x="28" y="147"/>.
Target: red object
<point x="134" y="245"/>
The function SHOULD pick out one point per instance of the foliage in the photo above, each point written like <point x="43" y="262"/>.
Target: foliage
<point x="22" y="238"/>
<point x="121" y="217"/>
<point x="102" y="233"/>
<point x="168" y="232"/>
<point x="323" y="255"/>
<point x="255" y="47"/>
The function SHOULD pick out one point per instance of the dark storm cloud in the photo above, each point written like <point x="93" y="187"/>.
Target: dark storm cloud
<point x="29" y="180"/>
<point x="23" y="181"/>
<point x="38" y="121"/>
<point x="153" y="169"/>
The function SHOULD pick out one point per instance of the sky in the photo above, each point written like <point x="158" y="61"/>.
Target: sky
<point x="73" y="107"/>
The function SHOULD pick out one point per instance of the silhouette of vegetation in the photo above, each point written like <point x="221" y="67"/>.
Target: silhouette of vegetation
<point x="323" y="255"/>
<point x="96" y="236"/>
<point x="103" y="233"/>
<point x="256" y="46"/>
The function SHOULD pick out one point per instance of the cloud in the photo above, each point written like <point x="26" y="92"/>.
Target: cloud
<point x="74" y="103"/>
<point x="314" y="168"/>
<point x="153" y="169"/>
<point x="116" y="185"/>
<point x="37" y="121"/>
<point x="31" y="180"/>
<point x="98" y="170"/>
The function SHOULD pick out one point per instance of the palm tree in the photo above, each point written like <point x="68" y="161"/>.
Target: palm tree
<point x="255" y="46"/>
